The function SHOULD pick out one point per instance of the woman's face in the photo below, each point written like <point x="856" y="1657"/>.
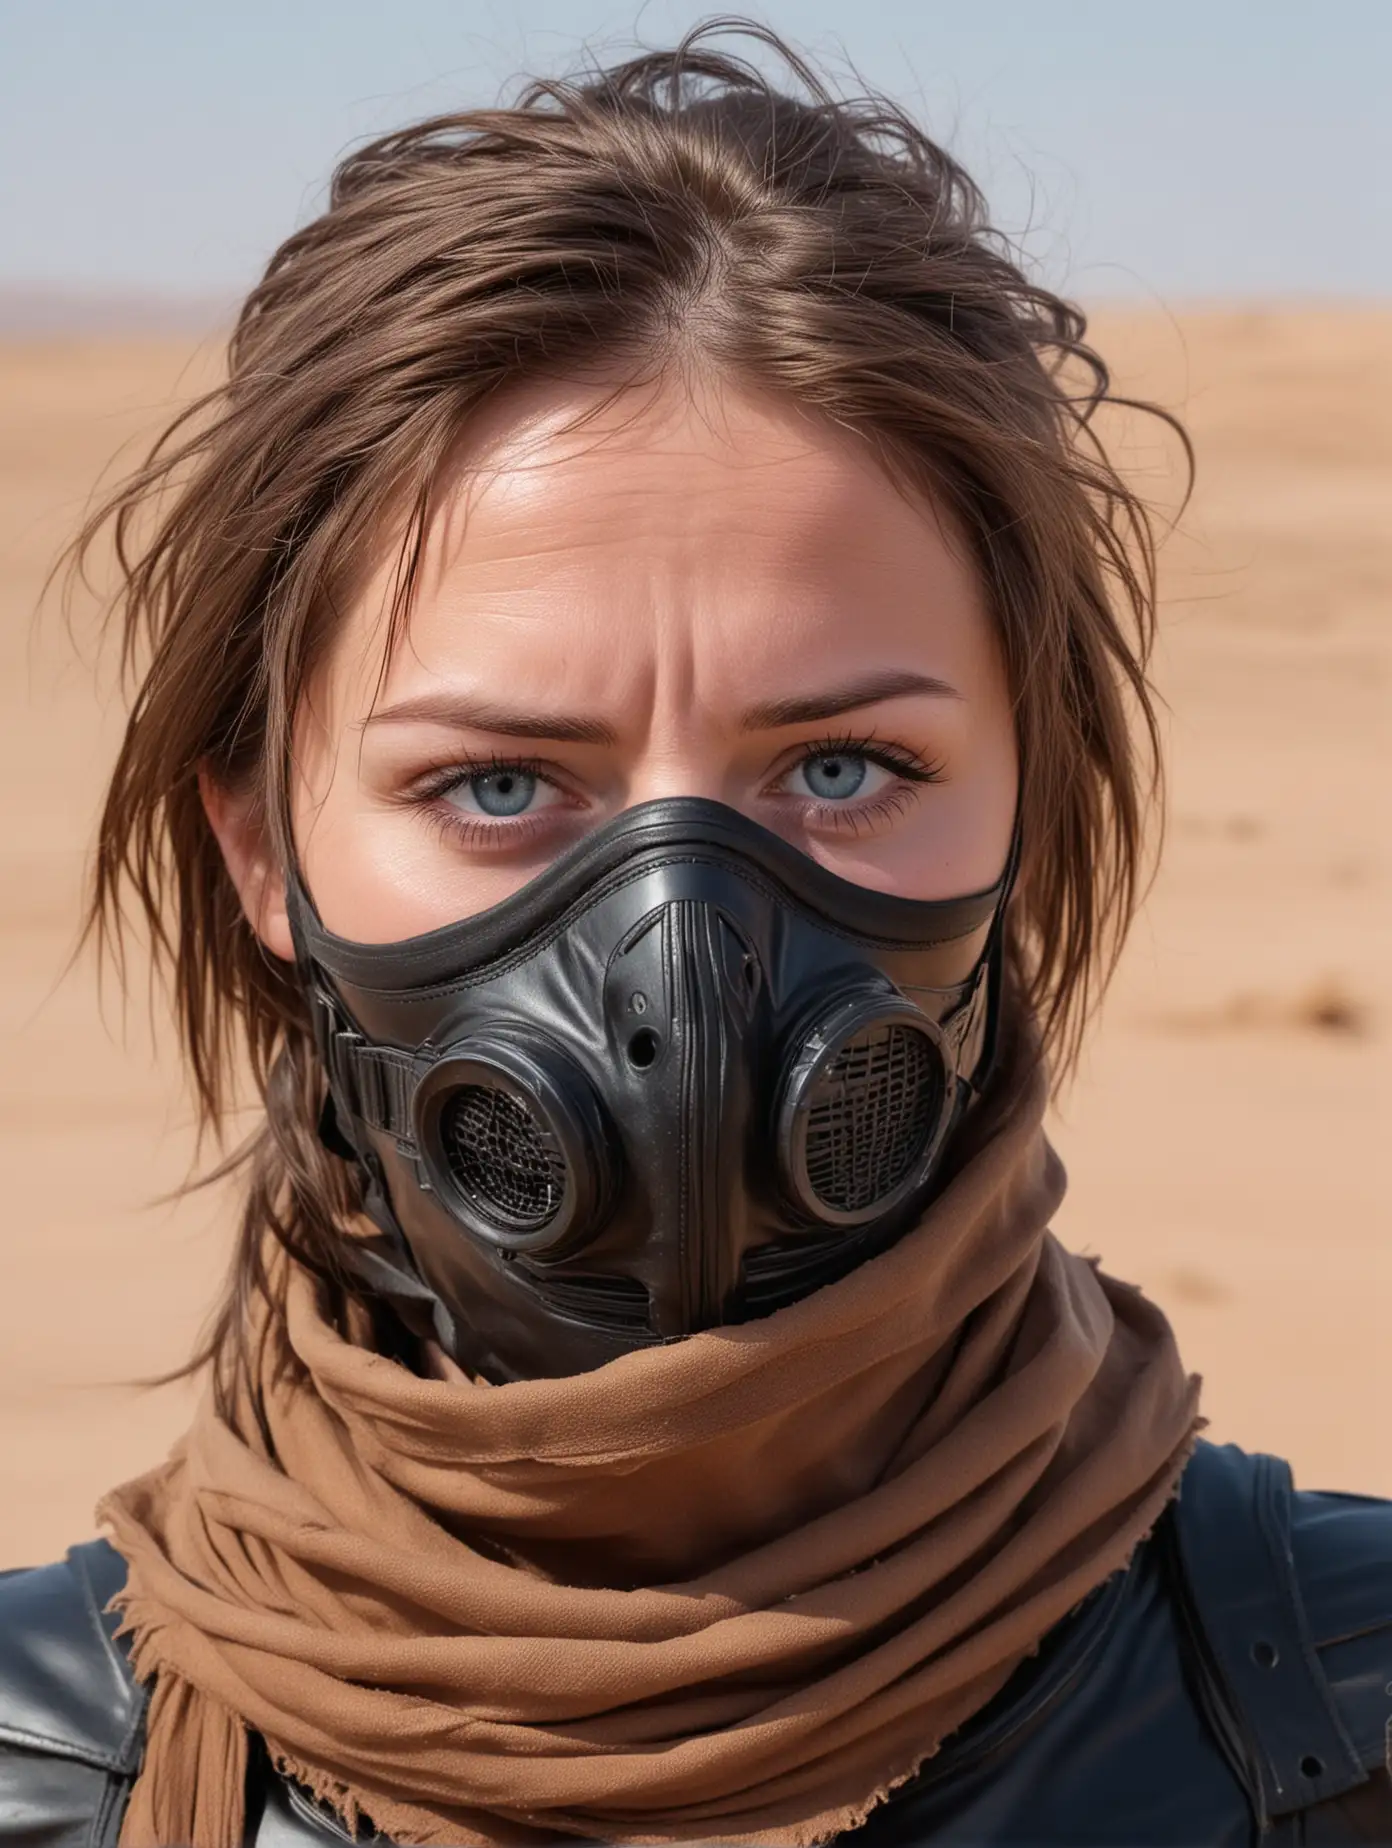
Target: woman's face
<point x="705" y="594"/>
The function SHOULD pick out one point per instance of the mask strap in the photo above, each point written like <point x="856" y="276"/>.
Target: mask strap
<point x="993" y="963"/>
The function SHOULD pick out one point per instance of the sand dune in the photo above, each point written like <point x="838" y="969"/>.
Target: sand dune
<point x="1227" y="1137"/>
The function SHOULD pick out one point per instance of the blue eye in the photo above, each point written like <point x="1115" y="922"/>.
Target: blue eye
<point x="502" y="792"/>
<point x="835" y="775"/>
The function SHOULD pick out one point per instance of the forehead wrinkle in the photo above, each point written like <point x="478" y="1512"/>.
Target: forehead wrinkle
<point x="484" y="558"/>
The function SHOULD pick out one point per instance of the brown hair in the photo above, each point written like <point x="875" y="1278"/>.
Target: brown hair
<point x="678" y="208"/>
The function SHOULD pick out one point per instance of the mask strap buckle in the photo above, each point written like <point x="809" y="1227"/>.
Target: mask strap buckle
<point x="373" y="1084"/>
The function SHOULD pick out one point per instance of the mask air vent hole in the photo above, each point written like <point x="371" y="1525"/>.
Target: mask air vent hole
<point x="872" y="1114"/>
<point x="643" y="1048"/>
<point x="502" y="1158"/>
<point x="620" y="1305"/>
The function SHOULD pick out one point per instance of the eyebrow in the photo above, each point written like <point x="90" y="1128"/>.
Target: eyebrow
<point x="465" y="714"/>
<point x="870" y="690"/>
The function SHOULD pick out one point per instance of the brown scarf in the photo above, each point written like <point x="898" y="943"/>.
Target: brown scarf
<point x="736" y="1588"/>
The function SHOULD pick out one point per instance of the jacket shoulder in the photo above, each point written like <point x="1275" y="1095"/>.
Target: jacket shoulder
<point x="70" y="1714"/>
<point x="1292" y="1593"/>
<point x="65" y="1687"/>
<point x="1341" y="1551"/>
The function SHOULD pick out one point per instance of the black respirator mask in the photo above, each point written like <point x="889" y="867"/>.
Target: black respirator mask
<point x="683" y="1077"/>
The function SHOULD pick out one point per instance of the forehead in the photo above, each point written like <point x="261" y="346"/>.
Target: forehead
<point x="555" y="463"/>
<point x="580" y="522"/>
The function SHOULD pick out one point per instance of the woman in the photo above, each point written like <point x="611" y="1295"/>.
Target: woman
<point x="634" y="747"/>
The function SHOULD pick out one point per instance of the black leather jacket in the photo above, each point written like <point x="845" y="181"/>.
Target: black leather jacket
<point x="1233" y="1684"/>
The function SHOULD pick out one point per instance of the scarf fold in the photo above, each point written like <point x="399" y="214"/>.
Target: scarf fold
<point x="734" y="1589"/>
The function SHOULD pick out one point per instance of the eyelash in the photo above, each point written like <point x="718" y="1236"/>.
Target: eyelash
<point x="471" y="830"/>
<point x="912" y="770"/>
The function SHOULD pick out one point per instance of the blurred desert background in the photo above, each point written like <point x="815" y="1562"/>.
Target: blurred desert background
<point x="1228" y="1136"/>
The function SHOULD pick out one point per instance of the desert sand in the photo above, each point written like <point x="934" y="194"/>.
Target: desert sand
<point x="1227" y="1137"/>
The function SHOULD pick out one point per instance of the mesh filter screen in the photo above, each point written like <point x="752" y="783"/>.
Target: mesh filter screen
<point x="502" y="1159"/>
<point x="872" y="1114"/>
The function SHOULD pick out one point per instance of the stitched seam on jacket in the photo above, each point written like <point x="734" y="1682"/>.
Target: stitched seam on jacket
<point x="105" y="1831"/>
<point x="1371" y="1739"/>
<point x="137" y="1697"/>
<point x="1378" y="1627"/>
<point x="1274" y="1499"/>
<point x="56" y="1746"/>
<point x="1214" y="1699"/>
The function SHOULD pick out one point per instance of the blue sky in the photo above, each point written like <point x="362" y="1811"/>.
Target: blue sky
<point x="1178" y="148"/>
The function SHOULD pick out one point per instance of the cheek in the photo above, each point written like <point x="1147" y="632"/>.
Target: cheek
<point x="378" y="871"/>
<point x="361" y="861"/>
<point x="354" y="874"/>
